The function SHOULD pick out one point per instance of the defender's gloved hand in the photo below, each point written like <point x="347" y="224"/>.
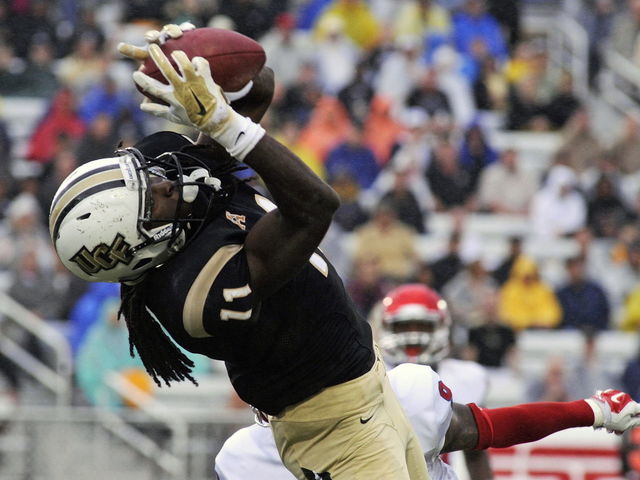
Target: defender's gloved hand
<point x="194" y="99"/>
<point x="614" y="410"/>
<point x="170" y="30"/>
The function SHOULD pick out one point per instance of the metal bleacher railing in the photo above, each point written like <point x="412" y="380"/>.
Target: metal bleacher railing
<point x="620" y="83"/>
<point x="56" y="378"/>
<point x="197" y="420"/>
<point x="567" y="45"/>
<point x="73" y="443"/>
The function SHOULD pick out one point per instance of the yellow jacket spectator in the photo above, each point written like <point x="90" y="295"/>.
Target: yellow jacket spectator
<point x="519" y="66"/>
<point x="631" y="314"/>
<point x="360" y="25"/>
<point x="289" y="136"/>
<point x="421" y="18"/>
<point x="526" y="301"/>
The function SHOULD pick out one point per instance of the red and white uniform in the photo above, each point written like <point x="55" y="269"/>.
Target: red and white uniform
<point x="251" y="451"/>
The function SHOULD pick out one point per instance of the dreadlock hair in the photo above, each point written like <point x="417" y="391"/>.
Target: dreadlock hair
<point x="160" y="356"/>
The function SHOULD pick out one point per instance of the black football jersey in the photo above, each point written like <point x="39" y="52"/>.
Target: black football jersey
<point x="278" y="352"/>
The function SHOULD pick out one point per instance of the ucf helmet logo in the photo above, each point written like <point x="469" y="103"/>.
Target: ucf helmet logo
<point x="103" y="256"/>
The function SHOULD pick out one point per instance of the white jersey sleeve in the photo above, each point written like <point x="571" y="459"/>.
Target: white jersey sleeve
<point x="426" y="401"/>
<point x="469" y="381"/>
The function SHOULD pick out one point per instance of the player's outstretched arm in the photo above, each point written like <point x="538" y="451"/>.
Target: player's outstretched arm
<point x="479" y="428"/>
<point x="283" y="240"/>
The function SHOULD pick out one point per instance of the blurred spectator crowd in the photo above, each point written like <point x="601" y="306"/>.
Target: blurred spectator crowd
<point x="395" y="104"/>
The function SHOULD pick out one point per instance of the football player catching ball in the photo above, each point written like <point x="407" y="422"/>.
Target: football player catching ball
<point x="228" y="274"/>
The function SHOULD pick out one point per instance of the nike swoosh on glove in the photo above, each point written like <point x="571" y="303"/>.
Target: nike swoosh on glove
<point x="614" y="410"/>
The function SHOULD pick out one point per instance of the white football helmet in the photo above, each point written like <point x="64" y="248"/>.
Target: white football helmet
<point x="98" y="216"/>
<point x="415" y="326"/>
<point x="100" y="219"/>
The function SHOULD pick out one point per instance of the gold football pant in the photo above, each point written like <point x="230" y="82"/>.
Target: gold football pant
<point x="353" y="431"/>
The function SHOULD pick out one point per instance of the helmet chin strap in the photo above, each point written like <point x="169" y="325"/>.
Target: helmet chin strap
<point x="199" y="175"/>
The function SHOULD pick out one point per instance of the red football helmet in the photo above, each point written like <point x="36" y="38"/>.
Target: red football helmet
<point x="415" y="326"/>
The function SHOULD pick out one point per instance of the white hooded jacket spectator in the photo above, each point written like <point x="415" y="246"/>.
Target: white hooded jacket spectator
<point x="558" y="208"/>
<point x="400" y="70"/>
<point x="336" y="56"/>
<point x="446" y="61"/>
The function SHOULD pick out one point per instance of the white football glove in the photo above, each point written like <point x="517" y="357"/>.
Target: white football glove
<point x="614" y="410"/>
<point x="170" y="30"/>
<point x="194" y="99"/>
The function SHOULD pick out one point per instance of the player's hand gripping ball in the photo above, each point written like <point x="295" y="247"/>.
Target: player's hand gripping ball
<point x="234" y="59"/>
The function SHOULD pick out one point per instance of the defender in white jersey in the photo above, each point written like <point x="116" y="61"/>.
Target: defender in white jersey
<point x="417" y="329"/>
<point x="441" y="426"/>
<point x="251" y="452"/>
<point x="412" y="324"/>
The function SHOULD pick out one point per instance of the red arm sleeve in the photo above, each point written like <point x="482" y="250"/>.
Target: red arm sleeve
<point x="504" y="427"/>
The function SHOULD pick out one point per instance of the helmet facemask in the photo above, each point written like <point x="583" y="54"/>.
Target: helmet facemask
<point x="423" y="339"/>
<point x="414" y="326"/>
<point x="166" y="236"/>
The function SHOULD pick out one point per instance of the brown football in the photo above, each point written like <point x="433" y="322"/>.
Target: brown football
<point x="234" y="58"/>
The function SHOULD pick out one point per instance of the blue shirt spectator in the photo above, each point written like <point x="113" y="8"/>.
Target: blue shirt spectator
<point x="475" y="152"/>
<point x="88" y="310"/>
<point x="584" y="302"/>
<point x="473" y="24"/>
<point x="105" y="98"/>
<point x="310" y="12"/>
<point x="354" y="158"/>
